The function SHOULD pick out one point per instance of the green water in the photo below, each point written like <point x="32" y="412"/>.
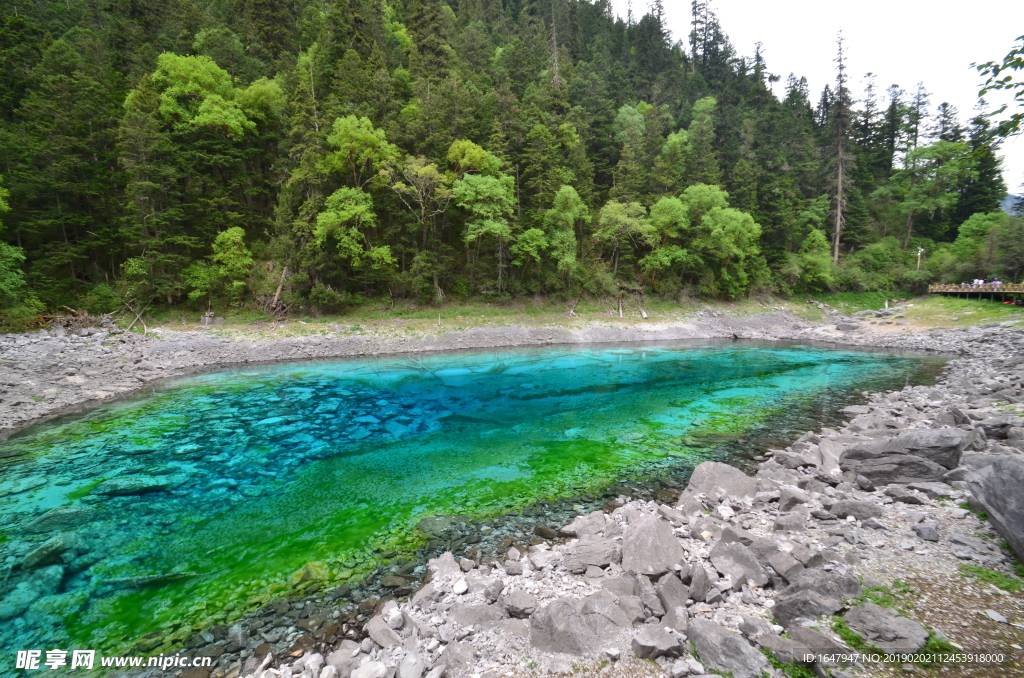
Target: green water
<point x="274" y="478"/>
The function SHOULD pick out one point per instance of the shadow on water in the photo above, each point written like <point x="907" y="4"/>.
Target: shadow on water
<point x="204" y="499"/>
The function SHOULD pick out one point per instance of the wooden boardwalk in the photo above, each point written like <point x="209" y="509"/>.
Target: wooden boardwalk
<point x="1002" y="291"/>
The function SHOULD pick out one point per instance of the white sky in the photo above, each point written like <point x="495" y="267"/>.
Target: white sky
<point x="901" y="41"/>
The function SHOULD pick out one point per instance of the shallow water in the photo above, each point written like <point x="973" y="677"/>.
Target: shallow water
<point x="268" y="478"/>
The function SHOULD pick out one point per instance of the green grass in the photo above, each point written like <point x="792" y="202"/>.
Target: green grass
<point x="994" y="577"/>
<point x="981" y="514"/>
<point x="851" y="302"/>
<point x="848" y="635"/>
<point x="793" y="670"/>
<point x="897" y="596"/>
<point x="934" y="644"/>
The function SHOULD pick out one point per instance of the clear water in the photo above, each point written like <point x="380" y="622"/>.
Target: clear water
<point x="272" y="477"/>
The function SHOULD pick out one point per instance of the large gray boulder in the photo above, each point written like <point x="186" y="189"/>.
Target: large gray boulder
<point x="996" y="483"/>
<point x="785" y="650"/>
<point x="998" y="428"/>
<point x="443" y="567"/>
<point x="800" y="454"/>
<point x="813" y="593"/>
<point x="896" y="468"/>
<point x="737" y="561"/>
<point x="577" y="627"/>
<point x="724" y="650"/>
<point x="700" y="583"/>
<point x="810" y="642"/>
<point x="718" y="480"/>
<point x="673" y="594"/>
<point x="649" y="596"/>
<point x="598" y="552"/>
<point x="884" y="628"/>
<point x="649" y="547"/>
<point x="519" y="603"/>
<point x="381" y="633"/>
<point x="482" y="614"/>
<point x="792" y="497"/>
<point x="559" y="627"/>
<point x="861" y="510"/>
<point x="602" y="614"/>
<point x="585" y="526"/>
<point x="655" y="641"/>
<point x="941" y="445"/>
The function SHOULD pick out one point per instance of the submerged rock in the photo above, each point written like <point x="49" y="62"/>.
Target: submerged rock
<point x="132" y="485"/>
<point x="62" y="518"/>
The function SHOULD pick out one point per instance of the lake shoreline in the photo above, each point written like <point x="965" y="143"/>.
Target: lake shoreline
<point x="53" y="374"/>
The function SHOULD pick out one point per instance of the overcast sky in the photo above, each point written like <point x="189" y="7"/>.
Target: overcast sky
<point x="901" y="41"/>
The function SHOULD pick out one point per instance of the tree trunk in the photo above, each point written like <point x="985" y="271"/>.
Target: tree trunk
<point x="910" y="227"/>
<point x="837" y="233"/>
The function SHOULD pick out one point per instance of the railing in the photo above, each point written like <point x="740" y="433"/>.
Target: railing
<point x="1004" y="288"/>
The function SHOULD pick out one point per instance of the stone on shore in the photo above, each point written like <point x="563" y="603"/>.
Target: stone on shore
<point x="996" y="483"/>
<point x="519" y="603"/>
<point x="721" y="649"/>
<point x="650" y="548"/>
<point x="570" y="627"/>
<point x="597" y="552"/>
<point x="861" y="510"/>
<point x="813" y="593"/>
<point x="736" y="561"/>
<point x="673" y="594"/>
<point x="378" y="629"/>
<point x="654" y="641"/>
<point x="717" y="480"/>
<point x="885" y="628"/>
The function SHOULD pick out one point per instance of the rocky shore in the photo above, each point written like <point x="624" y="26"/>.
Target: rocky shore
<point x="848" y="539"/>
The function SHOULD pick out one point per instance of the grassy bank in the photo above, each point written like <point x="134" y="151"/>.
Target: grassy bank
<point x="403" y="318"/>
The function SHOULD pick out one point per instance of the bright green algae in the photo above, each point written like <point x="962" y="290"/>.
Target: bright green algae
<point x="278" y="476"/>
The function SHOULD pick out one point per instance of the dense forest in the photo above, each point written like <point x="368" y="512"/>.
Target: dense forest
<point x="310" y="154"/>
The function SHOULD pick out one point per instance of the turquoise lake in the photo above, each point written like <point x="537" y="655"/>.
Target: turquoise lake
<point x="203" y="499"/>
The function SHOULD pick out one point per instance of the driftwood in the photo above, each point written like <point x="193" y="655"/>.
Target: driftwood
<point x="572" y="309"/>
<point x="138" y="316"/>
<point x="74" y="320"/>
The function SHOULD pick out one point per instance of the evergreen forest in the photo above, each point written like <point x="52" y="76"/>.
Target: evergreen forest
<point x="310" y="155"/>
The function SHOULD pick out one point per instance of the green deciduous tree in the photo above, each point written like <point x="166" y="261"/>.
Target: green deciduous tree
<point x="1006" y="75"/>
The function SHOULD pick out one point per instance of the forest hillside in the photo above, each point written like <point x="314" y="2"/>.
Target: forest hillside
<point x="310" y="154"/>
